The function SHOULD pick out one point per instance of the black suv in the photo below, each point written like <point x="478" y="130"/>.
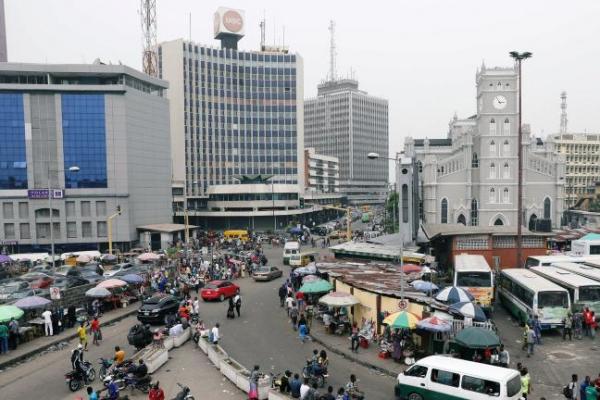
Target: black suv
<point x="156" y="309"/>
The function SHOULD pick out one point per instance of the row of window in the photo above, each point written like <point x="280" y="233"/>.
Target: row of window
<point x="8" y="210"/>
<point x="470" y="383"/>
<point x="253" y="196"/>
<point x="42" y="230"/>
<point x="495" y="128"/>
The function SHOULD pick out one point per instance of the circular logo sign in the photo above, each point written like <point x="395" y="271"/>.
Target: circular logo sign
<point x="403" y="304"/>
<point x="233" y="22"/>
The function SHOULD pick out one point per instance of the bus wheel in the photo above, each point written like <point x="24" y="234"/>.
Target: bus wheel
<point x="415" y="396"/>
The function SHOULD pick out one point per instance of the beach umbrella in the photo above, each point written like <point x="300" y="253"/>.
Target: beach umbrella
<point x="30" y="302"/>
<point x="402" y="319"/>
<point x="468" y="310"/>
<point x="148" y="257"/>
<point x="111" y="283"/>
<point x="132" y="278"/>
<point x="453" y="294"/>
<point x="474" y="337"/>
<point x="425" y="287"/>
<point x="4" y="259"/>
<point x="310" y="278"/>
<point x="318" y="286"/>
<point x="434" y="324"/>
<point x="8" y="312"/>
<point x="339" y="299"/>
<point x="83" y="258"/>
<point x="410" y="268"/>
<point x="98" y="292"/>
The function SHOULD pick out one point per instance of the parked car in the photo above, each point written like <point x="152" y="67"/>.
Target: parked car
<point x="64" y="270"/>
<point x="21" y="294"/>
<point x="156" y="309"/>
<point x="266" y="273"/>
<point x="219" y="290"/>
<point x="38" y="280"/>
<point x="319" y="231"/>
<point x="10" y="287"/>
<point x="118" y="268"/>
<point x="69" y="282"/>
<point x="91" y="276"/>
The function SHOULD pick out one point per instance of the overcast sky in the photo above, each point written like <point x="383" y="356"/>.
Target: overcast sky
<point x="420" y="55"/>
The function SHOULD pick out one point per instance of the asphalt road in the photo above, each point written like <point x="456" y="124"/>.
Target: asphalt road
<point x="264" y="336"/>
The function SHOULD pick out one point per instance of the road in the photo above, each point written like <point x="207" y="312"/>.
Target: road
<point x="264" y="336"/>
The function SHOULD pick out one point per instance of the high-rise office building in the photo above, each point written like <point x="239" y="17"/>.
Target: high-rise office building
<point x="97" y="136"/>
<point x="348" y="123"/>
<point x="236" y="128"/>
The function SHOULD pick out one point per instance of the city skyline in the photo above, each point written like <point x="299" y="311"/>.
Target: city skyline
<point x="384" y="56"/>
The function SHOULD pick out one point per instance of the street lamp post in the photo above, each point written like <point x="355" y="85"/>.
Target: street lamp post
<point x="375" y="156"/>
<point x="519" y="57"/>
<point x="50" y="197"/>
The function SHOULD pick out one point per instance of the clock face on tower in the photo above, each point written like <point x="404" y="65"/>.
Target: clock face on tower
<point x="499" y="102"/>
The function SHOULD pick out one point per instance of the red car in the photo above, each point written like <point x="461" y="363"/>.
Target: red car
<point x="219" y="290"/>
<point x="38" y="280"/>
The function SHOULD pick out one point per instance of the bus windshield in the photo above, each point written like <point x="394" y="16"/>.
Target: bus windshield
<point x="552" y="299"/>
<point x="531" y="262"/>
<point x="474" y="279"/>
<point x="589" y="293"/>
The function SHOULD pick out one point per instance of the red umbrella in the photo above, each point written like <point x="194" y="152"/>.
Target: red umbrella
<point x="408" y="268"/>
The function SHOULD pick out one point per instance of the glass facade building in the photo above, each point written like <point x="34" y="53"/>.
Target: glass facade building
<point x="84" y="140"/>
<point x="13" y="158"/>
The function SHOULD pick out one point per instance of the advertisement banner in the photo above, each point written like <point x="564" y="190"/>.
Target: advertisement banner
<point x="40" y="194"/>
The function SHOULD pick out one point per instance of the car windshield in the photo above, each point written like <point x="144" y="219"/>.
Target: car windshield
<point x="474" y="279"/>
<point x="210" y="286"/>
<point x="513" y="386"/>
<point x="589" y="293"/>
<point x="89" y="273"/>
<point x="152" y="300"/>
<point x="263" y="269"/>
<point x="552" y="299"/>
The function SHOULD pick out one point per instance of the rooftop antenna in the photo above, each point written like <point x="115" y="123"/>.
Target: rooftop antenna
<point x="332" y="54"/>
<point x="190" y="26"/>
<point x="563" y="114"/>
<point x="283" y="38"/>
<point x="148" y="19"/>
<point x="263" y="31"/>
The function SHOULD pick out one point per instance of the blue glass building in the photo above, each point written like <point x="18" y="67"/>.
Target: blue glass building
<point x="13" y="158"/>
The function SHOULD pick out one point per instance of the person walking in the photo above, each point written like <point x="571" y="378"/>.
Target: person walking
<point x="354" y="339"/>
<point x="282" y="293"/>
<point x="578" y="324"/>
<point x="593" y="325"/>
<point x="586" y="319"/>
<point x="537" y="329"/>
<point x="13" y="334"/>
<point x="47" y="315"/>
<point x="294" y="316"/>
<point x="237" y="301"/>
<point x="214" y="333"/>
<point x="254" y="376"/>
<point x="96" y="333"/>
<point x="583" y="388"/>
<point x="82" y="333"/>
<point x="3" y="339"/>
<point x="530" y="342"/>
<point x="503" y="357"/>
<point x="526" y="388"/>
<point x="570" y="391"/>
<point x="568" y="327"/>
<point x="230" y="306"/>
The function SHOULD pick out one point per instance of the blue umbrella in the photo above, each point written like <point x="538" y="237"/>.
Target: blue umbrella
<point x="454" y="294"/>
<point x="468" y="310"/>
<point x="132" y="278"/>
<point x="424" y="286"/>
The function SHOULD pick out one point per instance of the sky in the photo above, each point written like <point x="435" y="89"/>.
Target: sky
<point x="421" y="55"/>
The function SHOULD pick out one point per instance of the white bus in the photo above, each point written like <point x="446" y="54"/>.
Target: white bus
<point x="525" y="294"/>
<point x="583" y="292"/>
<point x="473" y="273"/>
<point x="440" y="377"/>
<point x="289" y="249"/>
<point x="589" y="270"/>
<point x="539" y="261"/>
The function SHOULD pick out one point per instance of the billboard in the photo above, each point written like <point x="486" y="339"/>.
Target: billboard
<point x="229" y="21"/>
<point x="33" y="194"/>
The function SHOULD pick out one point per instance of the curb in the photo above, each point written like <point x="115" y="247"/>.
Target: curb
<point x="354" y="359"/>
<point x="37" y="350"/>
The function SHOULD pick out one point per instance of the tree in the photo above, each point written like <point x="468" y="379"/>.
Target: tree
<point x="391" y="213"/>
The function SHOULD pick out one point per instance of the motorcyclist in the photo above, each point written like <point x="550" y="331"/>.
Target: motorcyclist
<point x="139" y="371"/>
<point x="112" y="389"/>
<point x="352" y="389"/>
<point x="77" y="362"/>
<point x="323" y="362"/>
<point x="156" y="393"/>
<point x="314" y="362"/>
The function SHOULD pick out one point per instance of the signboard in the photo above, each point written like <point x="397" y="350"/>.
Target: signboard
<point x="228" y="21"/>
<point x="41" y="194"/>
<point x="403" y="304"/>
<point x="55" y="293"/>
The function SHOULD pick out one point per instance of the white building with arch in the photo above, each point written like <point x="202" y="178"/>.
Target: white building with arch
<point x="471" y="176"/>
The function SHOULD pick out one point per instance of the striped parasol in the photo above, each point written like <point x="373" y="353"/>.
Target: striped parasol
<point x="402" y="319"/>
<point x="453" y="294"/>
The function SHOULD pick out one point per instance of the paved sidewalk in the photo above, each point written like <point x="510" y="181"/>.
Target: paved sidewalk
<point x="40" y="344"/>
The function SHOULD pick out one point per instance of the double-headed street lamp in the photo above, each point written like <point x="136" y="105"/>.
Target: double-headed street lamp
<point x="375" y="156"/>
<point x="519" y="57"/>
<point x="73" y="169"/>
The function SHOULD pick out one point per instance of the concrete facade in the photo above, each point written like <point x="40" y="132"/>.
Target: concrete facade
<point x="470" y="177"/>
<point x="134" y="138"/>
<point x="348" y="123"/>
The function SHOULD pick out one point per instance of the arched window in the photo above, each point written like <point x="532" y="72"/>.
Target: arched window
<point x="461" y="220"/>
<point x="506" y="196"/>
<point x="474" y="161"/>
<point x="506" y="129"/>
<point x="492" y="195"/>
<point x="506" y="148"/>
<point x="474" y="213"/>
<point x="547" y="208"/>
<point x="492" y="148"/>
<point x="492" y="126"/>
<point x="499" y="86"/>
<point x="444" y="211"/>
<point x="532" y="222"/>
<point x="498" y="222"/>
<point x="420" y="164"/>
<point x="506" y="171"/>
<point x="492" y="171"/>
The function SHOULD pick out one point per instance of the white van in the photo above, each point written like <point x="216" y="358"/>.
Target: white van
<point x="290" y="248"/>
<point x="440" y="377"/>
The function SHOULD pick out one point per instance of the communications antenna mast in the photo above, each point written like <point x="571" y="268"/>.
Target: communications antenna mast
<point x="148" y="19"/>
<point x="563" y="114"/>
<point x="332" y="53"/>
<point x="263" y="28"/>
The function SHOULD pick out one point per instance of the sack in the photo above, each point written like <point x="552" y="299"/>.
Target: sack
<point x="568" y="391"/>
<point x="211" y="337"/>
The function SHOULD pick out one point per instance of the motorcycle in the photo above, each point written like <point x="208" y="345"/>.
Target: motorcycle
<point x="75" y="380"/>
<point x="105" y="364"/>
<point x="184" y="393"/>
<point x="276" y="382"/>
<point x="319" y="379"/>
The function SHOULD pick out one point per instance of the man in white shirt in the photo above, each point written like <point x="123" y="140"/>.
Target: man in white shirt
<point x="47" y="315"/>
<point x="196" y="306"/>
<point x="304" y="389"/>
<point x="215" y="334"/>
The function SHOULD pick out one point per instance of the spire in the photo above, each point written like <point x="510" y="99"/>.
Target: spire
<point x="482" y="65"/>
<point x="563" y="114"/>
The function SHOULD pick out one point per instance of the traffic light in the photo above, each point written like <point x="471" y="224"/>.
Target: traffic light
<point x="301" y="202"/>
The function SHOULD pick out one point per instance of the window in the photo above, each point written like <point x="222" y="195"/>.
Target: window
<point x="24" y="231"/>
<point x="474" y="161"/>
<point x="547" y="208"/>
<point x="86" y="209"/>
<point x="9" y="231"/>
<point x="492" y="171"/>
<point x="42" y="230"/>
<point x="86" y="229"/>
<point x="474" y="213"/>
<point x="420" y="165"/>
<point x="7" y="211"/>
<point x="513" y="387"/>
<point x="498" y="222"/>
<point x="71" y="229"/>
<point x="472" y="243"/>
<point x="13" y="160"/>
<point x="461" y="220"/>
<point x="506" y="171"/>
<point x="492" y="195"/>
<point x="478" y="385"/>
<point x="506" y="196"/>
<point x="23" y="210"/>
<point x="474" y="279"/>
<point x="552" y="299"/>
<point x="506" y="148"/>
<point x="404" y="203"/>
<point x="417" y="371"/>
<point x="504" y="242"/>
<point x="445" y="377"/>
<point x="70" y="208"/>
<point x="492" y="148"/>
<point x="492" y="126"/>
<point x="444" y="211"/>
<point x="101" y="227"/>
<point x="101" y="208"/>
<point x="506" y="128"/>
